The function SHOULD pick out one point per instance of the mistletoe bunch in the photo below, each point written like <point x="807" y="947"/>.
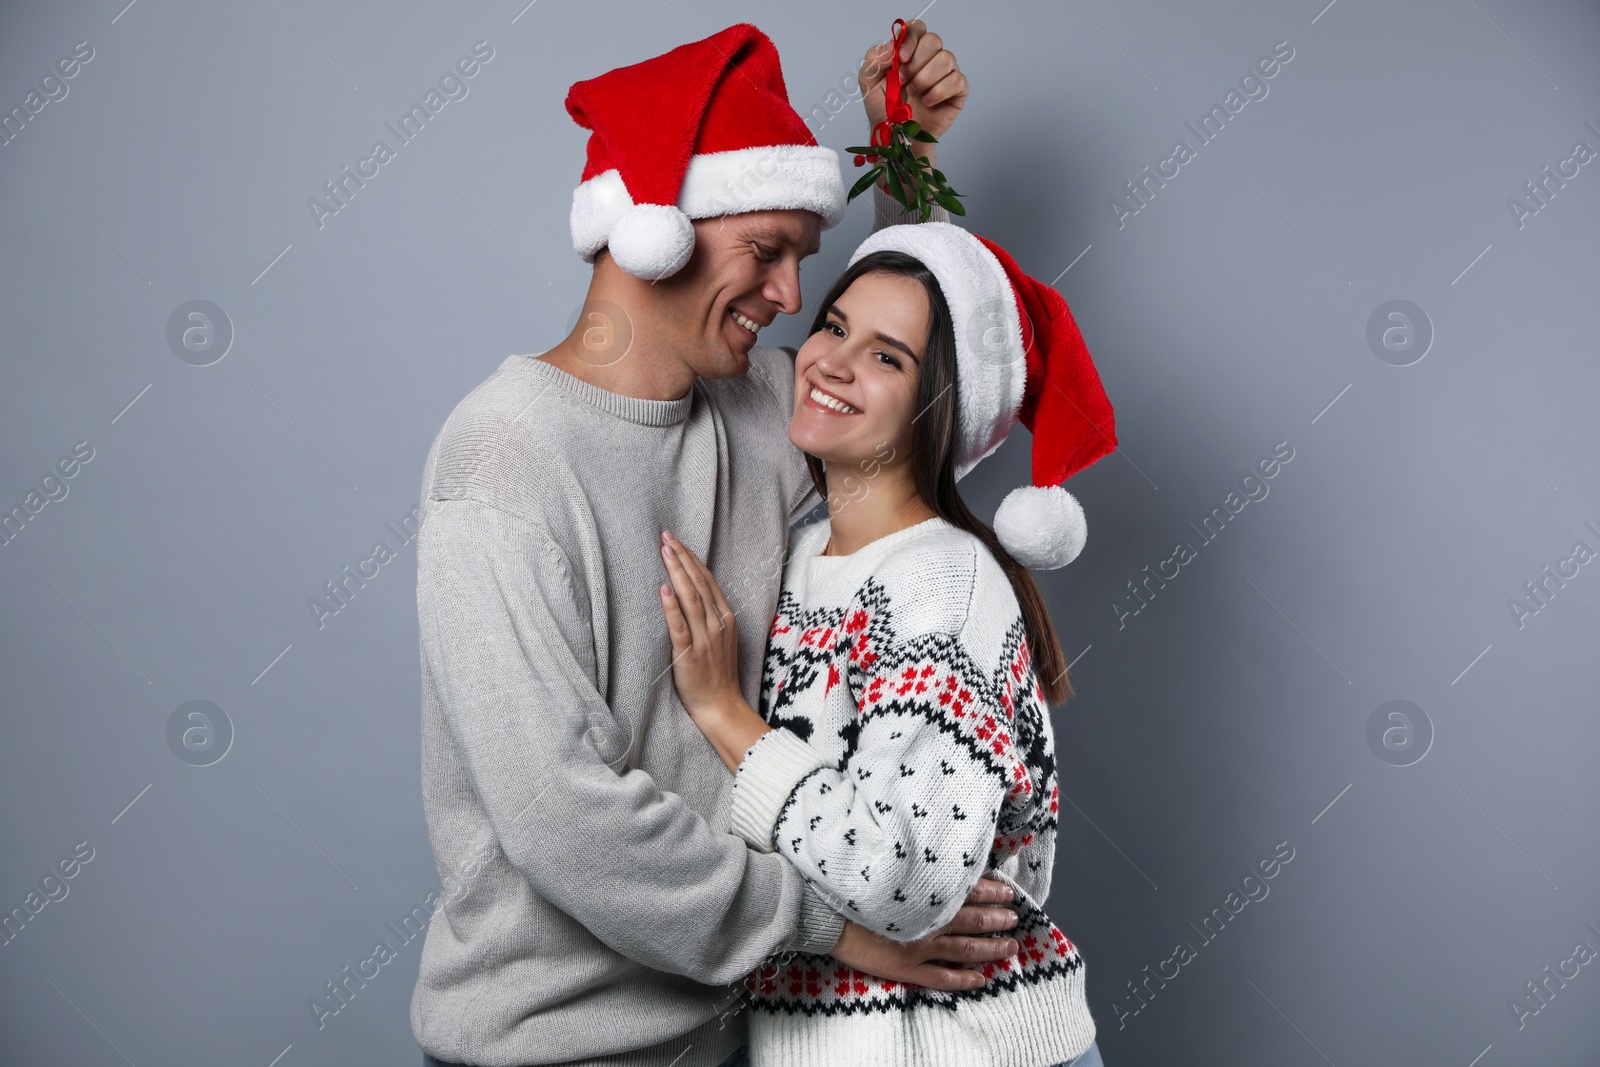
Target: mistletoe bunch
<point x="913" y="181"/>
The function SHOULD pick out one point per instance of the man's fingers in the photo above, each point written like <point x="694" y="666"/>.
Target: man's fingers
<point x="938" y="67"/>
<point x="915" y="30"/>
<point x="958" y="949"/>
<point x="981" y="919"/>
<point x="950" y="979"/>
<point x="874" y="67"/>
<point x="951" y="89"/>
<point x="928" y="46"/>
<point x="990" y="891"/>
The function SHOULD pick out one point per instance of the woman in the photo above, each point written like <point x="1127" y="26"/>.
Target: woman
<point x="903" y="745"/>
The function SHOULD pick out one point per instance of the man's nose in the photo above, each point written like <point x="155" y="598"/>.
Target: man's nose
<point x="783" y="287"/>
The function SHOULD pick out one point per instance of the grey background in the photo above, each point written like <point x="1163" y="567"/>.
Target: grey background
<point x="1229" y="715"/>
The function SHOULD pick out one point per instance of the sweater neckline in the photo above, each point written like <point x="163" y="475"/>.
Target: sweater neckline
<point x="631" y="408"/>
<point x="825" y="571"/>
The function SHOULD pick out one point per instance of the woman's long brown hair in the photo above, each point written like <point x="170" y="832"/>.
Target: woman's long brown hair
<point x="933" y="456"/>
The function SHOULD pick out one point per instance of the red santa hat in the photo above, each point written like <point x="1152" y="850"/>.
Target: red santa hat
<point x="704" y="130"/>
<point x="1019" y="356"/>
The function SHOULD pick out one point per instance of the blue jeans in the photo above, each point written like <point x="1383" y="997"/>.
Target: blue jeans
<point x="1089" y="1057"/>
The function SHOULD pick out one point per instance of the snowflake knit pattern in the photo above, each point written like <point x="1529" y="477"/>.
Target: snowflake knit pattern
<point x="911" y="753"/>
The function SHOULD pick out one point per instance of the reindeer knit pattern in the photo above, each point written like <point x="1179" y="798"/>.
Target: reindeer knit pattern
<point x="911" y="753"/>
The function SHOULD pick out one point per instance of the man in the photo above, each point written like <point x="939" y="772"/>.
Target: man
<point x="596" y="908"/>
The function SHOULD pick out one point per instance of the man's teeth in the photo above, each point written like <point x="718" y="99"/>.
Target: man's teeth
<point x="829" y="402"/>
<point x="748" y="324"/>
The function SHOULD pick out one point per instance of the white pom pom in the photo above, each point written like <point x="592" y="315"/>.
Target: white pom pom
<point x="651" y="241"/>
<point x="1041" y="526"/>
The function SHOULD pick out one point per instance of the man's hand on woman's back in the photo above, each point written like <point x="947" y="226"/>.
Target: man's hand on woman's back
<point x="943" y="959"/>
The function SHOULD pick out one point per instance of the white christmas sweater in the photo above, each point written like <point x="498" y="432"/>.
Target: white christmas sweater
<point x="911" y="754"/>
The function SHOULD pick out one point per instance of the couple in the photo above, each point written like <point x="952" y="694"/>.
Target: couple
<point x="643" y="869"/>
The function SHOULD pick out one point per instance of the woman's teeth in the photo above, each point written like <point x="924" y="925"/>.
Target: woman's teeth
<point x="748" y="324"/>
<point x="829" y="402"/>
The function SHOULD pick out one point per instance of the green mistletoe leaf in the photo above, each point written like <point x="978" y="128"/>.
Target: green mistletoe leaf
<point x="864" y="183"/>
<point x="911" y="178"/>
<point x="897" y="190"/>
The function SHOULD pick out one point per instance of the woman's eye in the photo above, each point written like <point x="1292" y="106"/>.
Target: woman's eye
<point x="891" y="360"/>
<point x="835" y="328"/>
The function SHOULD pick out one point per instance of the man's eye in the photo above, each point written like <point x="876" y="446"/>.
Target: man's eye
<point x="765" y="254"/>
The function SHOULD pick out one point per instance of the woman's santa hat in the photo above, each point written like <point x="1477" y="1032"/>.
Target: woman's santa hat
<point x="1019" y="355"/>
<point x="704" y="130"/>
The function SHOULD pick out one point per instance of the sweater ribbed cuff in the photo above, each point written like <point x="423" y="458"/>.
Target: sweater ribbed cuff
<point x="819" y="927"/>
<point x="769" y="772"/>
<point x="890" y="212"/>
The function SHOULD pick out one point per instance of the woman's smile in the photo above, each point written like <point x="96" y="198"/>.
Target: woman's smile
<point x="822" y="400"/>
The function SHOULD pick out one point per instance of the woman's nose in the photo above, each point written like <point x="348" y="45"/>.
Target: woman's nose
<point x="836" y="364"/>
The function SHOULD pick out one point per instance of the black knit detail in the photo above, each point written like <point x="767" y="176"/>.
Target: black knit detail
<point x="991" y="713"/>
<point x="1032" y="923"/>
<point x="789" y="802"/>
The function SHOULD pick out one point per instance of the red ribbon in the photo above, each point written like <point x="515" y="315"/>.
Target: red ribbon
<point x="895" y="108"/>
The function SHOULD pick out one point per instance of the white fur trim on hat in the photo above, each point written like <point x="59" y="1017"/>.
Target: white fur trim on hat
<point x="1042" y="526"/>
<point x="991" y="367"/>
<point x="770" y="178"/>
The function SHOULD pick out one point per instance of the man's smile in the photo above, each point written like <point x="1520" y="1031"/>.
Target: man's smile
<point x="745" y="322"/>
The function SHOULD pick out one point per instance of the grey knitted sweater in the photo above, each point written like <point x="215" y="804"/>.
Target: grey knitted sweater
<point x="595" y="908"/>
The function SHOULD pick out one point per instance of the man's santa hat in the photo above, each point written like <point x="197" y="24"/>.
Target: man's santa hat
<point x="1019" y="355"/>
<point x="704" y="130"/>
